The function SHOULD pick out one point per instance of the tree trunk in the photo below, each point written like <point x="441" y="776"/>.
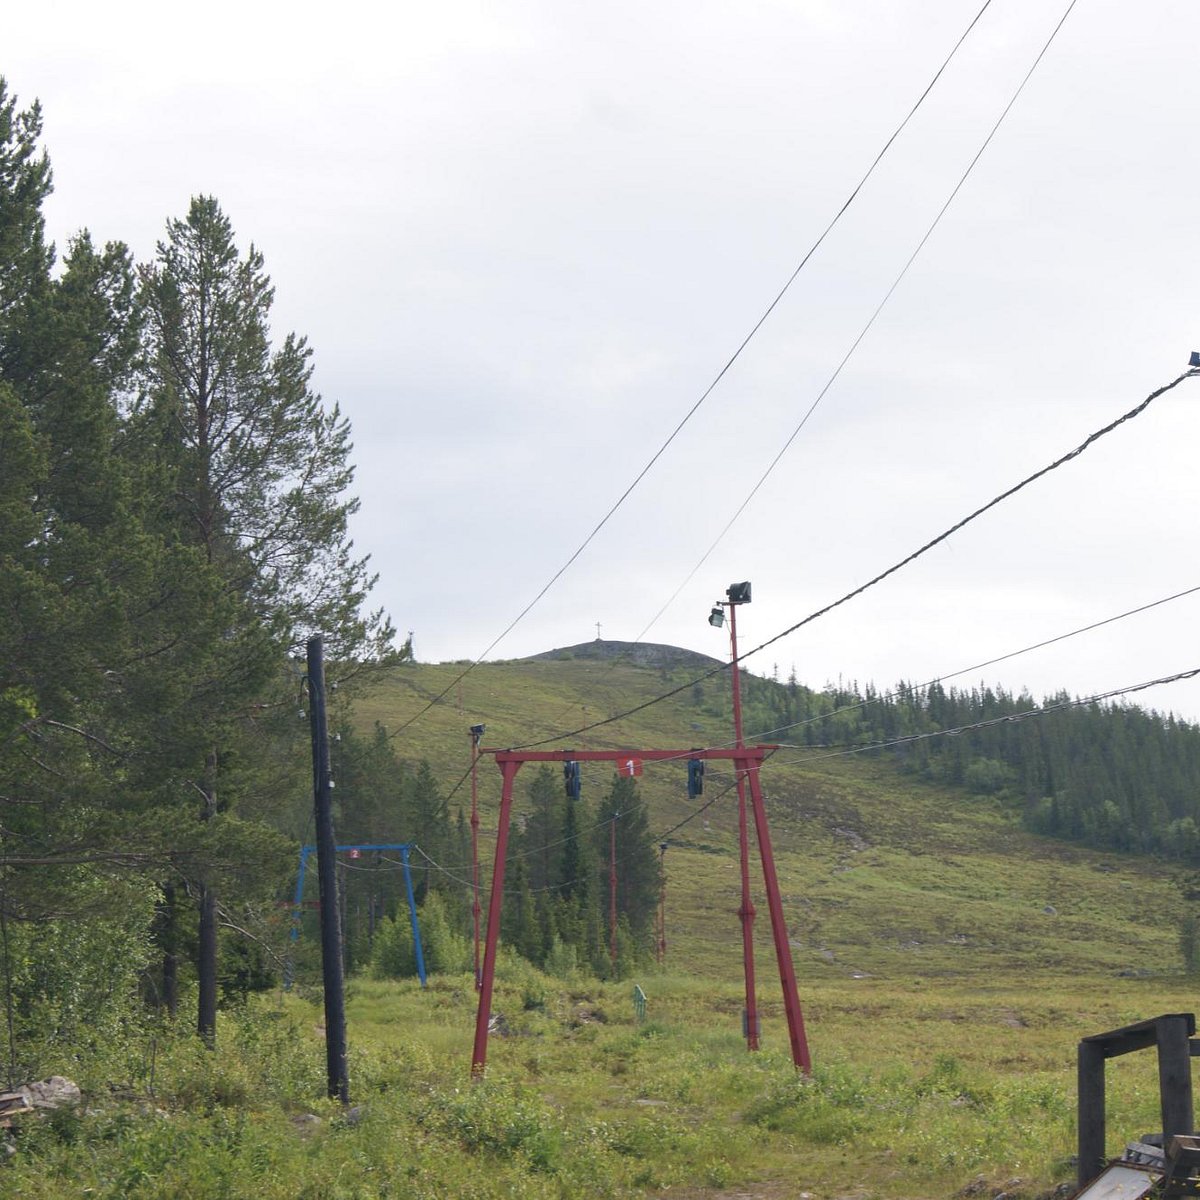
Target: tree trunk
<point x="206" y="958"/>
<point x="169" y="930"/>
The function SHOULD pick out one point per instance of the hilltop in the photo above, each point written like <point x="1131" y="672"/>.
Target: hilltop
<point x="641" y="654"/>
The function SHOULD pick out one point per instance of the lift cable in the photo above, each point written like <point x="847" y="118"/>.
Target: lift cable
<point x="1009" y="718"/>
<point x="865" y="329"/>
<point x="716" y="380"/>
<point x="858" y="591"/>
<point x="918" y="687"/>
<point x="1026" y="714"/>
<point x="555" y="887"/>
<point x="847" y="708"/>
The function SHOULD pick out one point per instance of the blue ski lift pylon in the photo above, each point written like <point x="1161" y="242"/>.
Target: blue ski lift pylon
<point x="404" y="848"/>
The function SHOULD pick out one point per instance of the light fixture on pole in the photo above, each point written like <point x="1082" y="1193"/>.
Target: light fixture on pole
<point x="736" y="594"/>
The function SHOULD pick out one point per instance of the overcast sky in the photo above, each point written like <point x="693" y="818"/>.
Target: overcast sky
<point x="524" y="238"/>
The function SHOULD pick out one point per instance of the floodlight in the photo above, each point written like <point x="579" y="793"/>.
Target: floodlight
<point x="716" y="618"/>
<point x="738" y="593"/>
<point x="477" y="731"/>
<point x="1194" y="361"/>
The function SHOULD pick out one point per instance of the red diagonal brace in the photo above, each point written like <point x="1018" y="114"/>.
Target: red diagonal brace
<point x="783" y="951"/>
<point x="509" y="771"/>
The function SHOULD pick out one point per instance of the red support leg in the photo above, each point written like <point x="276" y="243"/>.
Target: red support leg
<point x="783" y="952"/>
<point x="475" y="909"/>
<point x="479" y="1057"/>
<point x="747" y="913"/>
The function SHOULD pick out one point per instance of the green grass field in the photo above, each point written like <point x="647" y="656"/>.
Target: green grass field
<point x="948" y="963"/>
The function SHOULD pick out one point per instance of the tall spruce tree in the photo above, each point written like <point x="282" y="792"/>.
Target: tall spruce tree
<point x="637" y="864"/>
<point x="542" y="839"/>
<point x="261" y="464"/>
<point x="84" y="586"/>
<point x="25" y="257"/>
<point x="255" y="469"/>
<point x="74" y="563"/>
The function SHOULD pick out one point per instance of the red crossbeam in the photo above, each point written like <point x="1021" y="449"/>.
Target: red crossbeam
<point x="753" y="753"/>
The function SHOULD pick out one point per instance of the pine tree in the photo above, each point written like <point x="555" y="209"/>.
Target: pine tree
<point x="544" y="829"/>
<point x="426" y="822"/>
<point x="261" y="464"/>
<point x="85" y="585"/>
<point x="637" y="864"/>
<point x="254" y="470"/>
<point x="518" y="917"/>
<point x="25" y="258"/>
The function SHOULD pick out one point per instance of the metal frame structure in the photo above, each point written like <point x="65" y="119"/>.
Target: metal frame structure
<point x="1171" y="1036"/>
<point x="747" y="762"/>
<point x="404" y="848"/>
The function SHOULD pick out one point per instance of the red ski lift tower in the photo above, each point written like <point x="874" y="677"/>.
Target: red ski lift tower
<point x="476" y="734"/>
<point x="739" y="593"/>
<point x="747" y="763"/>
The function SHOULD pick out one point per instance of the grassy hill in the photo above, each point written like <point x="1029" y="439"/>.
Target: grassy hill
<point x="882" y="874"/>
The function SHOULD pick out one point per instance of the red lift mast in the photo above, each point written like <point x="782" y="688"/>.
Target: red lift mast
<point x="747" y="911"/>
<point x="747" y="762"/>
<point x="476" y="734"/>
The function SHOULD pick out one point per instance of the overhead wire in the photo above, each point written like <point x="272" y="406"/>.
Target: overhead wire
<point x="1141" y="608"/>
<point x="1027" y="714"/>
<point x="1012" y="491"/>
<point x="639" y="802"/>
<point x="763" y="734"/>
<point x="1134" y="412"/>
<point x="762" y="479"/>
<point x="890" y="695"/>
<point x="1041" y="710"/>
<point x="556" y="887"/>
<point x="467" y="883"/>
<point x="716" y="379"/>
<point x="979" y="666"/>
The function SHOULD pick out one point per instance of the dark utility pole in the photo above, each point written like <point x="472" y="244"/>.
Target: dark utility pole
<point x="331" y="929"/>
